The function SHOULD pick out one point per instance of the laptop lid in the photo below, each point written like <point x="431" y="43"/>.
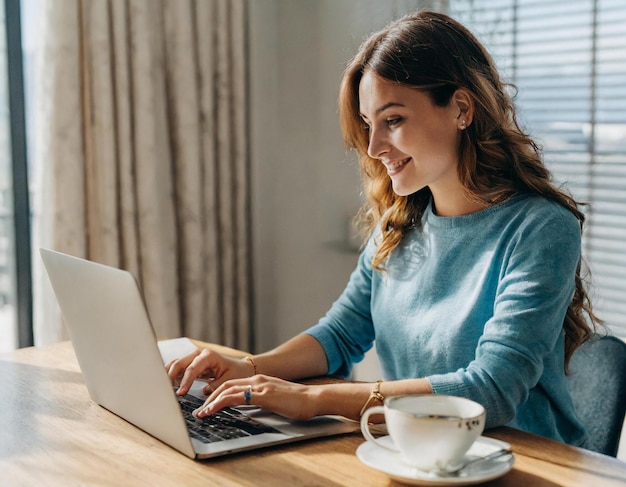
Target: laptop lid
<point x="117" y="352"/>
<point x="115" y="346"/>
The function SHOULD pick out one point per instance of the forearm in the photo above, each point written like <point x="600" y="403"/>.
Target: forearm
<point x="347" y="399"/>
<point x="303" y="356"/>
<point x="299" y="358"/>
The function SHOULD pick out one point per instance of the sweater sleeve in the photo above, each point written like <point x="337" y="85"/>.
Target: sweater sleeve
<point x="346" y="331"/>
<point x="534" y="290"/>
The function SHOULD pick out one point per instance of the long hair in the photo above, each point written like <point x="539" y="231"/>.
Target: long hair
<point x="434" y="53"/>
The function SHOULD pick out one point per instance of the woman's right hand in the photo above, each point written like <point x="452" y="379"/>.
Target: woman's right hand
<point x="206" y="365"/>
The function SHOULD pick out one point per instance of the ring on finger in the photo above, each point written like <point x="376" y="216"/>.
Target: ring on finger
<point x="247" y="395"/>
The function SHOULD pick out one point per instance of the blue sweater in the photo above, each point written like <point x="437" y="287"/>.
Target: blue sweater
<point x="475" y="304"/>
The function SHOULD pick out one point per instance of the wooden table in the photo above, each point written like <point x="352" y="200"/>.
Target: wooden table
<point x="52" y="434"/>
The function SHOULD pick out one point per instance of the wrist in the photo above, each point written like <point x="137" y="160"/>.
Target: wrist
<point x="251" y="364"/>
<point x="319" y="398"/>
<point x="343" y="399"/>
<point x="374" y="399"/>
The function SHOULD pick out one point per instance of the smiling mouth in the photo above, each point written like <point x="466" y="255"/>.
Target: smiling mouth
<point x="395" y="166"/>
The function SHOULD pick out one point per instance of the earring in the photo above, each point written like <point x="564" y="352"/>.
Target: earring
<point x="463" y="124"/>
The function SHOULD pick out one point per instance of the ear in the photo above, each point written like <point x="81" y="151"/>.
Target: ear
<point x="464" y="103"/>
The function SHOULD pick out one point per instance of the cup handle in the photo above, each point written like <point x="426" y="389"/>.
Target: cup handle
<point x="365" y="428"/>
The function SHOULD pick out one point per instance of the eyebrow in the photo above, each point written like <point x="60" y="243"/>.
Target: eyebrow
<point x="384" y="107"/>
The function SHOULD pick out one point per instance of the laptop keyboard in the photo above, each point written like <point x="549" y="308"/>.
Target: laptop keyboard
<point x="226" y="424"/>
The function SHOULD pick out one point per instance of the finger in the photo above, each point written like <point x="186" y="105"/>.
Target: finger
<point x="209" y="388"/>
<point x="174" y="370"/>
<point x="223" y="385"/>
<point x="214" y="390"/>
<point x="198" y="367"/>
<point x="214" y="383"/>
<point x="176" y="366"/>
<point x="233" y="396"/>
<point x="218" y="392"/>
<point x="222" y="369"/>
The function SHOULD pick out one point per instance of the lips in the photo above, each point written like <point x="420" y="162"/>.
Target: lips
<point x="395" y="166"/>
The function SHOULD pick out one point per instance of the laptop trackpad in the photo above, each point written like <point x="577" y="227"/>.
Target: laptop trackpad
<point x="318" y="426"/>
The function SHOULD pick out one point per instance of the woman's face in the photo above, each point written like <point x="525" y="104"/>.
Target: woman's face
<point x="416" y="140"/>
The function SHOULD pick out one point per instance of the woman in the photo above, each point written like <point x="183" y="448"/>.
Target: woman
<point x="470" y="281"/>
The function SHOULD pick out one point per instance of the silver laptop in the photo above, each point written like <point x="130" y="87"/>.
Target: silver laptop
<point x="118" y="354"/>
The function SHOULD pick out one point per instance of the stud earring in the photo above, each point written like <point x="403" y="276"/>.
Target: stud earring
<point x="463" y="124"/>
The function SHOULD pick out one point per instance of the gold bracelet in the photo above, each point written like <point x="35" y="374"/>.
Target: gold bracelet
<point x="251" y="362"/>
<point x="374" y="396"/>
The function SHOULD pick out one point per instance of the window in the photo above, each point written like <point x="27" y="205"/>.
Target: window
<point x="15" y="276"/>
<point x="8" y="324"/>
<point x="568" y="61"/>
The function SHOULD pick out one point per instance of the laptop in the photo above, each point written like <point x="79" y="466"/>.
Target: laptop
<point x="114" y="342"/>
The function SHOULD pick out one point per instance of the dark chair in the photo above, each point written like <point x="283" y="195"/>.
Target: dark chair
<point x="597" y="383"/>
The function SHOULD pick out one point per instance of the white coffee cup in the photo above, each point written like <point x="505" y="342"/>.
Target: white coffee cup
<point x="430" y="432"/>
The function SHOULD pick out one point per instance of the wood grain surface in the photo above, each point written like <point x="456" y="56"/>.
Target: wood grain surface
<point x="53" y="434"/>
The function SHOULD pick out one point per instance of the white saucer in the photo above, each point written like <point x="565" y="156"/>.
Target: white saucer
<point x="390" y="463"/>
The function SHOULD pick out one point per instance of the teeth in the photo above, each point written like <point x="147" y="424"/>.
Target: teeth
<point x="396" y="165"/>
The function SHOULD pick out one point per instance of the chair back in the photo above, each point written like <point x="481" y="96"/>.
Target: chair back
<point x="597" y="382"/>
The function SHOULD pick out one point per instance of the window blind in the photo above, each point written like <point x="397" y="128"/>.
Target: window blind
<point x="568" y="62"/>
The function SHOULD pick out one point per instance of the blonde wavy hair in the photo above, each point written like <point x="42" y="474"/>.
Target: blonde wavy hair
<point x="436" y="54"/>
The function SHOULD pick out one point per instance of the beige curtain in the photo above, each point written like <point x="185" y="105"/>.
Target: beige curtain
<point x="145" y="156"/>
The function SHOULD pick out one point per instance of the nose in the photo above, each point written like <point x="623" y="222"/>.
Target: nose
<point x="378" y="144"/>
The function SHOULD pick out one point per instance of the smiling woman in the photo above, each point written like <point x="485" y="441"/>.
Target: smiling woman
<point x="463" y="222"/>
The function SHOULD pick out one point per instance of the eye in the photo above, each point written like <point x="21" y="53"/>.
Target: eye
<point x="394" y="121"/>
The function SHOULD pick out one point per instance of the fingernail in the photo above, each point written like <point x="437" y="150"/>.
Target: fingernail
<point x="201" y="412"/>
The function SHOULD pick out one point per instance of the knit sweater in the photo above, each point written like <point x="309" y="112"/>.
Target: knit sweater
<point x="475" y="304"/>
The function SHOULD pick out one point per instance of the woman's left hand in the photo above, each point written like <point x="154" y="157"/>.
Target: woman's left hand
<point x="289" y="399"/>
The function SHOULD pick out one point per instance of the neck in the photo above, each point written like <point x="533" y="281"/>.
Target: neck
<point x="456" y="204"/>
